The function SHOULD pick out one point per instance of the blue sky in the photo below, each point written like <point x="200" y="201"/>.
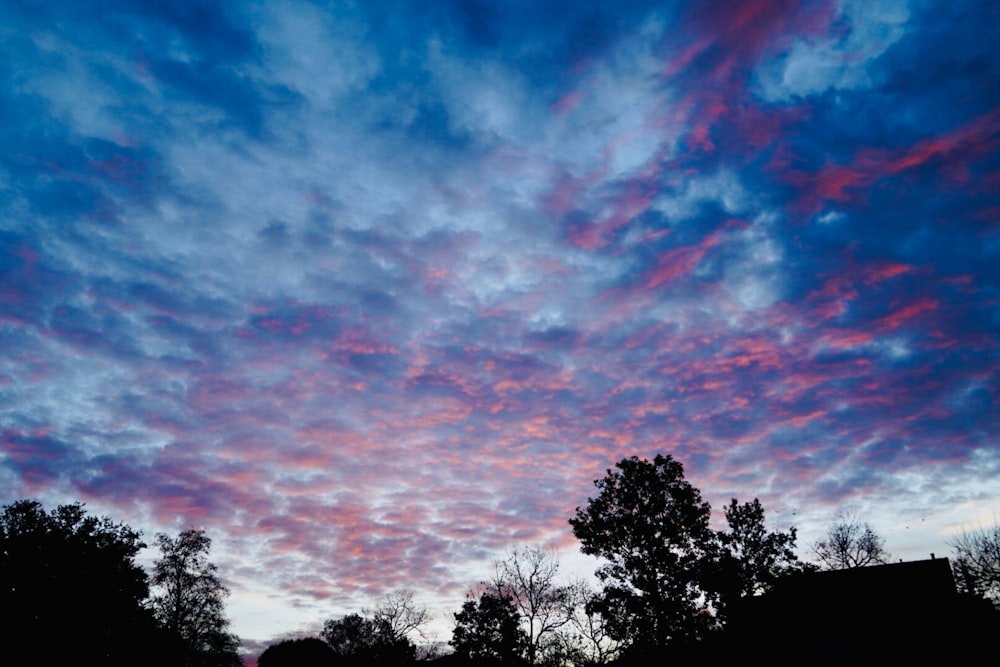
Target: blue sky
<point x="373" y="291"/>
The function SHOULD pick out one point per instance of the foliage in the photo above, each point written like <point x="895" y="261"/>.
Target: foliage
<point x="651" y="526"/>
<point x="489" y="628"/>
<point x="527" y="576"/>
<point x="54" y="568"/>
<point x="367" y="641"/>
<point x="849" y="544"/>
<point x="977" y="562"/>
<point x="307" y="652"/>
<point x="750" y="558"/>
<point x="189" y="600"/>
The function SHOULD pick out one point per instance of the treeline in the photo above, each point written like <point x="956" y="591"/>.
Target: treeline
<point x="72" y="593"/>
<point x="668" y="583"/>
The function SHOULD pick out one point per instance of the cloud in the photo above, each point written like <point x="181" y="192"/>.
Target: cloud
<point x="374" y="294"/>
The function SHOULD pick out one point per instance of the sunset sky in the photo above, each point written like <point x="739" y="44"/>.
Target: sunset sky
<point x="372" y="291"/>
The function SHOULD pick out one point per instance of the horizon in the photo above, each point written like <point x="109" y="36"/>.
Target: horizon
<point x="373" y="294"/>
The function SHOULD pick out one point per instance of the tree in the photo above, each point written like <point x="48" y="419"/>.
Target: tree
<point x="398" y="616"/>
<point x="751" y="558"/>
<point x="54" y="567"/>
<point x="189" y="601"/>
<point x="489" y="628"/>
<point x="849" y="544"/>
<point x="367" y="641"/>
<point x="307" y="652"/>
<point x="651" y="526"/>
<point x="527" y="576"/>
<point x="586" y="634"/>
<point x="977" y="562"/>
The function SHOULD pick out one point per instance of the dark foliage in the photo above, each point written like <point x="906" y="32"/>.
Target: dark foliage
<point x="489" y="629"/>
<point x="977" y="562"/>
<point x="308" y="652"/>
<point x="70" y="588"/>
<point x="750" y="559"/>
<point x="357" y="640"/>
<point x="651" y="526"/>
<point x="189" y="602"/>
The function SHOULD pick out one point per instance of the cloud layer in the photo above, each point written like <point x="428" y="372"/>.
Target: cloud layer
<point x="373" y="294"/>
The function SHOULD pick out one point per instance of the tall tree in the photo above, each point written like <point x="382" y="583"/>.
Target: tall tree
<point x="977" y="562"/>
<point x="528" y="577"/>
<point x="751" y="558"/>
<point x="489" y="628"/>
<point x="70" y="587"/>
<point x="190" y="598"/>
<point x="651" y="526"/>
<point x="850" y="543"/>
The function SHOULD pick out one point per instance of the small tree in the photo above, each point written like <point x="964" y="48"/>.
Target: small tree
<point x="527" y="576"/>
<point x="586" y="634"/>
<point x="849" y="544"/>
<point x="189" y="600"/>
<point x="977" y="562"/>
<point x="489" y="628"/>
<point x="751" y="558"/>
<point x="307" y="652"/>
<point x="398" y="616"/>
<point x="366" y="641"/>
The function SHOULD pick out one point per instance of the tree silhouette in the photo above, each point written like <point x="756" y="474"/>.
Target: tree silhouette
<point x="849" y="544"/>
<point x="977" y="562"/>
<point x="189" y="600"/>
<point x="587" y="641"/>
<point x="527" y="576"/>
<point x="307" y="652"/>
<point x="751" y="558"/>
<point x="651" y="526"/>
<point x="489" y="628"/>
<point x="398" y="616"/>
<point x="367" y="641"/>
<point x="70" y="588"/>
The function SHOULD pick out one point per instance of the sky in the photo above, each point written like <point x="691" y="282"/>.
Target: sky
<point x="372" y="292"/>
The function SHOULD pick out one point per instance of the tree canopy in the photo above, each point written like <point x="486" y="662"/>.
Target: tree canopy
<point x="189" y="600"/>
<point x="489" y="628"/>
<point x="367" y="641"/>
<point x="652" y="528"/>
<point x="849" y="543"/>
<point x="55" y="569"/>
<point x="977" y="562"/>
<point x="751" y="558"/>
<point x="306" y="652"/>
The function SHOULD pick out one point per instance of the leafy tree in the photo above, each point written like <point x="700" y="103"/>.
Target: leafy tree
<point x="189" y="601"/>
<point x="307" y="652"/>
<point x="977" y="562"/>
<point x="751" y="558"/>
<point x="367" y="641"/>
<point x="651" y="526"/>
<point x="489" y="629"/>
<point x="849" y="544"/>
<point x="70" y="586"/>
<point x="527" y="576"/>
